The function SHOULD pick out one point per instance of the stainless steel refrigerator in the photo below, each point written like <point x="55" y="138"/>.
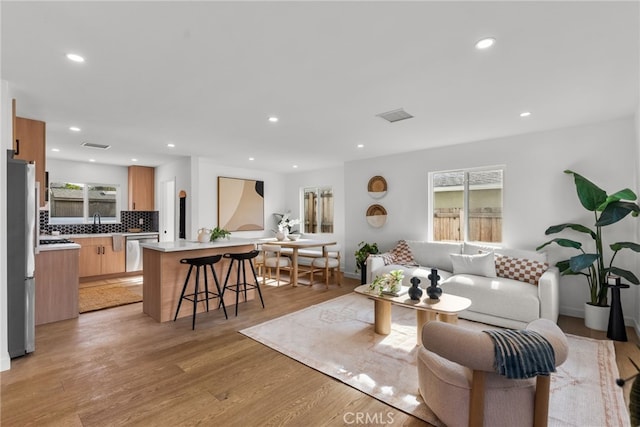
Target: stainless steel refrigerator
<point x="22" y="211"/>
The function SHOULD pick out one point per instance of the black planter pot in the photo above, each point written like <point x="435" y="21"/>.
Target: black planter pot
<point x="363" y="274"/>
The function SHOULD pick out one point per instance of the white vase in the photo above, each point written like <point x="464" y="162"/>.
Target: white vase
<point x="279" y="236"/>
<point x="596" y="317"/>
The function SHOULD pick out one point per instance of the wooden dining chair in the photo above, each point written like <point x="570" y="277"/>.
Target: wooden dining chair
<point x="273" y="258"/>
<point x="328" y="263"/>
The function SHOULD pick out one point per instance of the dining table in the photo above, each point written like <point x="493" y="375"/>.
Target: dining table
<point x="295" y="246"/>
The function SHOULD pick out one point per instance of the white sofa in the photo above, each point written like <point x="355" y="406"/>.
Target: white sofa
<point x="495" y="300"/>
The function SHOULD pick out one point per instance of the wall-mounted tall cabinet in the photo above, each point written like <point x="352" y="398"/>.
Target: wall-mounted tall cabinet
<point x="29" y="144"/>
<point x="141" y="188"/>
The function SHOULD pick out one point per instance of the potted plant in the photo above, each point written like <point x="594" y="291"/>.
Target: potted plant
<point x="364" y="250"/>
<point x="388" y="283"/>
<point x="219" y="233"/>
<point x="607" y="210"/>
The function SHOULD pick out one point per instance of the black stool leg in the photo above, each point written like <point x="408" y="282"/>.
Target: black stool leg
<point x="206" y="288"/>
<point x="184" y="288"/>
<point x="215" y="279"/>
<point x="195" y="299"/>
<point x="244" y="279"/>
<point x="257" y="284"/>
<point x="226" y="279"/>
<point x="238" y="287"/>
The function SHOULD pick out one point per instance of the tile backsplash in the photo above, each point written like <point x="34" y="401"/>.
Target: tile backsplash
<point x="128" y="219"/>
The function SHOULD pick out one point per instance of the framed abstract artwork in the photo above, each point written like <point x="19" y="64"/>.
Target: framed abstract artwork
<point x="240" y="204"/>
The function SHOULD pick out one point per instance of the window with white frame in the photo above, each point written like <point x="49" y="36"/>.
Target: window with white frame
<point x="466" y="205"/>
<point x="318" y="210"/>
<point x="77" y="203"/>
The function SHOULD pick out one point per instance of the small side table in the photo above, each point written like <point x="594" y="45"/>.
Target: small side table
<point x="616" y="330"/>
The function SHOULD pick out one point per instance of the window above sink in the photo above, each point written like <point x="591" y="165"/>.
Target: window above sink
<point x="83" y="203"/>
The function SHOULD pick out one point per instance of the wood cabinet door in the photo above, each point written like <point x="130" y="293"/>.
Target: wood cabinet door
<point x="112" y="261"/>
<point x="90" y="260"/>
<point x="141" y="188"/>
<point x="29" y="143"/>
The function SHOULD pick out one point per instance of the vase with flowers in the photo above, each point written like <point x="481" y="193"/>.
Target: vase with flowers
<point x="285" y="225"/>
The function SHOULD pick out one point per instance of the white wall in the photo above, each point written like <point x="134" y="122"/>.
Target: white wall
<point x="205" y="173"/>
<point x="70" y="171"/>
<point x="180" y="171"/>
<point x="637" y="233"/>
<point x="6" y="142"/>
<point x="537" y="193"/>
<point x="334" y="178"/>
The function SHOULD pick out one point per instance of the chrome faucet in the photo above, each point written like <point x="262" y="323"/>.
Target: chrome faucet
<point x="95" y="226"/>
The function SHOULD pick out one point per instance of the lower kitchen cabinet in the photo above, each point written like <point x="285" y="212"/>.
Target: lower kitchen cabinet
<point x="98" y="257"/>
<point x="56" y="285"/>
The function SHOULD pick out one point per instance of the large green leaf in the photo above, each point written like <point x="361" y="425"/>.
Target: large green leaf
<point x="564" y="268"/>
<point x="566" y="243"/>
<point x="625" y="194"/>
<point x="615" y="211"/>
<point x="591" y="196"/>
<point x="582" y="261"/>
<point x="629" y="276"/>
<point x="575" y="227"/>
<point x="625" y="245"/>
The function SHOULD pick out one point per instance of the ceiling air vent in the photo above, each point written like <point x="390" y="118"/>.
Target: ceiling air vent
<point x="93" y="145"/>
<point x="395" y="115"/>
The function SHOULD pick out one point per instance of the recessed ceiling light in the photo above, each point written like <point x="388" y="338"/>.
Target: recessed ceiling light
<point x="295" y="166"/>
<point x="251" y="159"/>
<point x="360" y="145"/>
<point x="74" y="129"/>
<point x="273" y="119"/>
<point x="74" y="57"/>
<point x="485" y="43"/>
<point x="55" y="150"/>
<point x="134" y="160"/>
<point x="171" y="145"/>
<point x="525" y="114"/>
<point x="92" y="160"/>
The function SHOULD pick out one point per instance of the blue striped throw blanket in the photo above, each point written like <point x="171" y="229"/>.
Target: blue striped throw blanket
<point x="522" y="354"/>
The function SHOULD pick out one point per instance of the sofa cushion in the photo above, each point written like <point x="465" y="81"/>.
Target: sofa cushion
<point x="478" y="248"/>
<point x="507" y="298"/>
<point x="524" y="270"/>
<point x="402" y="254"/>
<point x="480" y="264"/>
<point x="434" y="254"/>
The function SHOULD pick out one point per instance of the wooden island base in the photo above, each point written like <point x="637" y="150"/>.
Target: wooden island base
<point x="164" y="276"/>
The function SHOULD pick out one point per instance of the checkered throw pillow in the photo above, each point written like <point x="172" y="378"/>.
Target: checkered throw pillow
<point x="524" y="270"/>
<point x="402" y="254"/>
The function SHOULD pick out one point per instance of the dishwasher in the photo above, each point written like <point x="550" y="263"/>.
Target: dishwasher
<point x="134" y="251"/>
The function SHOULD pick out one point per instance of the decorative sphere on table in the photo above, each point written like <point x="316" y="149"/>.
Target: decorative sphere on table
<point x="433" y="291"/>
<point x="414" y="291"/>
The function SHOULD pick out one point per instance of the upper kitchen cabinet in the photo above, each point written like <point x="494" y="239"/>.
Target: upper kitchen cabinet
<point x="29" y="144"/>
<point x="141" y="188"/>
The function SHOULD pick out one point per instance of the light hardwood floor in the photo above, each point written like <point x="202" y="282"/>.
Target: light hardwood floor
<point x="119" y="367"/>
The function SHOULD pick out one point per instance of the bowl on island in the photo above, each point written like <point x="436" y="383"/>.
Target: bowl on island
<point x="293" y="237"/>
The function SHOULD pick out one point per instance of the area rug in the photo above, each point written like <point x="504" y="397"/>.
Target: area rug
<point x="337" y="338"/>
<point x="100" y="297"/>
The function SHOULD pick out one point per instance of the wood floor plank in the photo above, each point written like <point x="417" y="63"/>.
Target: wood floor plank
<point x="119" y="367"/>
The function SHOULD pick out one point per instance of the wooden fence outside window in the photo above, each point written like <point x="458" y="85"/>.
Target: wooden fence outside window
<point x="485" y="224"/>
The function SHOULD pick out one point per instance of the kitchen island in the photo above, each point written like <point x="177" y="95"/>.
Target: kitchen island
<point x="163" y="275"/>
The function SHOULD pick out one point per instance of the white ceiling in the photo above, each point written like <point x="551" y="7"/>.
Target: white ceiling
<point x="207" y="75"/>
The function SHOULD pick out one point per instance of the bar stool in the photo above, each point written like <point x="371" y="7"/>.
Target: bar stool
<point x="207" y="295"/>
<point x="238" y="287"/>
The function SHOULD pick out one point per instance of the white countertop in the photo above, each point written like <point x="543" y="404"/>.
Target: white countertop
<point x="78" y="236"/>
<point x="58" y="247"/>
<point x="190" y="245"/>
